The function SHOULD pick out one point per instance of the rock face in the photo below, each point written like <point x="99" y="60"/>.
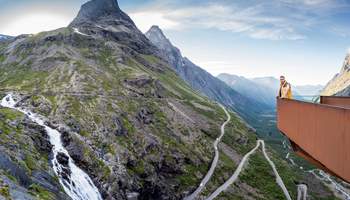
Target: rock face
<point x="96" y="10"/>
<point x="340" y="84"/>
<point x="103" y="18"/>
<point x="168" y="51"/>
<point x="202" y="81"/>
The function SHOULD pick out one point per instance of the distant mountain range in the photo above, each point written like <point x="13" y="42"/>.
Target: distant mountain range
<point x="5" y="37"/>
<point x="265" y="89"/>
<point x="340" y="84"/>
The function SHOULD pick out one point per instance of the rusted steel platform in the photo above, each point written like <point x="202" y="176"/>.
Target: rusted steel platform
<point x="336" y="101"/>
<point x="319" y="132"/>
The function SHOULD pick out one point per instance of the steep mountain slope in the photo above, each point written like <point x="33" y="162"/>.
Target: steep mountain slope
<point x="126" y="118"/>
<point x="202" y="81"/>
<point x="340" y="84"/>
<point x="250" y="88"/>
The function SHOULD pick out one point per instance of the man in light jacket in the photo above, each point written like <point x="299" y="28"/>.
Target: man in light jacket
<point x="285" y="91"/>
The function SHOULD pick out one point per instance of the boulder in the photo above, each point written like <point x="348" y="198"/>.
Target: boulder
<point x="141" y="81"/>
<point x="73" y="124"/>
<point x="132" y="196"/>
<point x="39" y="136"/>
<point x="62" y="159"/>
<point x="121" y="131"/>
<point x="145" y="116"/>
<point x="14" y="170"/>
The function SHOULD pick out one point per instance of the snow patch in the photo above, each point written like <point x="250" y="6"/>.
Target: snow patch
<point x="76" y="30"/>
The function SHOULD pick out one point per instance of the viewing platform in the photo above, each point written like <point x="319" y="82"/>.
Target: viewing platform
<point x="319" y="132"/>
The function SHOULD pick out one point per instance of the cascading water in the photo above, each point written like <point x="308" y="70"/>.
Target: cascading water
<point x="76" y="183"/>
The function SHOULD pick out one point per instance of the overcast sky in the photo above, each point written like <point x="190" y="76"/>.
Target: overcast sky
<point x="306" y="40"/>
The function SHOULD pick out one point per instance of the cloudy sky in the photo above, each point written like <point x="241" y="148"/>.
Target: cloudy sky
<point x="306" y="40"/>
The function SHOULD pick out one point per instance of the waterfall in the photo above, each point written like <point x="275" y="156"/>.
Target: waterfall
<point x="75" y="182"/>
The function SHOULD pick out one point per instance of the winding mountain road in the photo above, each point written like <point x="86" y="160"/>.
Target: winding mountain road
<point x="215" y="160"/>
<point x="279" y="180"/>
<point x="234" y="177"/>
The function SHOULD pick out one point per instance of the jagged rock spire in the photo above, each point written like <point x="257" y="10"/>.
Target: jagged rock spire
<point x="346" y="65"/>
<point x="158" y="38"/>
<point x="155" y="30"/>
<point x="97" y="10"/>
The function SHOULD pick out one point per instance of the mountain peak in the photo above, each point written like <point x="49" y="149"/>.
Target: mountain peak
<point x="157" y="34"/>
<point x="156" y="28"/>
<point x="158" y="38"/>
<point x="346" y="65"/>
<point x="96" y="10"/>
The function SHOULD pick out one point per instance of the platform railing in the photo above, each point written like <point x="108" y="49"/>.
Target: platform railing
<point x="335" y="101"/>
<point x="321" y="131"/>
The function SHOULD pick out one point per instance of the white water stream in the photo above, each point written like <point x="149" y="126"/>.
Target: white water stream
<point x="79" y="186"/>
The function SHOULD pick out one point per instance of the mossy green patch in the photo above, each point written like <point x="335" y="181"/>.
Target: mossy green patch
<point x="189" y="179"/>
<point x="5" y="192"/>
<point x="18" y="77"/>
<point x="10" y="114"/>
<point x="2" y="58"/>
<point x="40" y="192"/>
<point x="259" y="175"/>
<point x="30" y="162"/>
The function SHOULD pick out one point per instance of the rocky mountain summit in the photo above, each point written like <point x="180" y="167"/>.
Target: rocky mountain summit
<point x="168" y="51"/>
<point x="104" y="19"/>
<point x="97" y="11"/>
<point x="340" y="84"/>
<point x="125" y="117"/>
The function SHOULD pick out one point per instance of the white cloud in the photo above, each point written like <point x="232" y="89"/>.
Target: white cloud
<point x="251" y="21"/>
<point x="145" y="20"/>
<point x="34" y="23"/>
<point x="273" y="20"/>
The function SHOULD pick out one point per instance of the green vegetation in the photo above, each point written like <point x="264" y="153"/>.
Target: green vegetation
<point x="260" y="175"/>
<point x="10" y="114"/>
<point x="5" y="192"/>
<point x="30" y="162"/>
<point x="22" y="78"/>
<point x="2" y="58"/>
<point x="40" y="192"/>
<point x="189" y="179"/>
